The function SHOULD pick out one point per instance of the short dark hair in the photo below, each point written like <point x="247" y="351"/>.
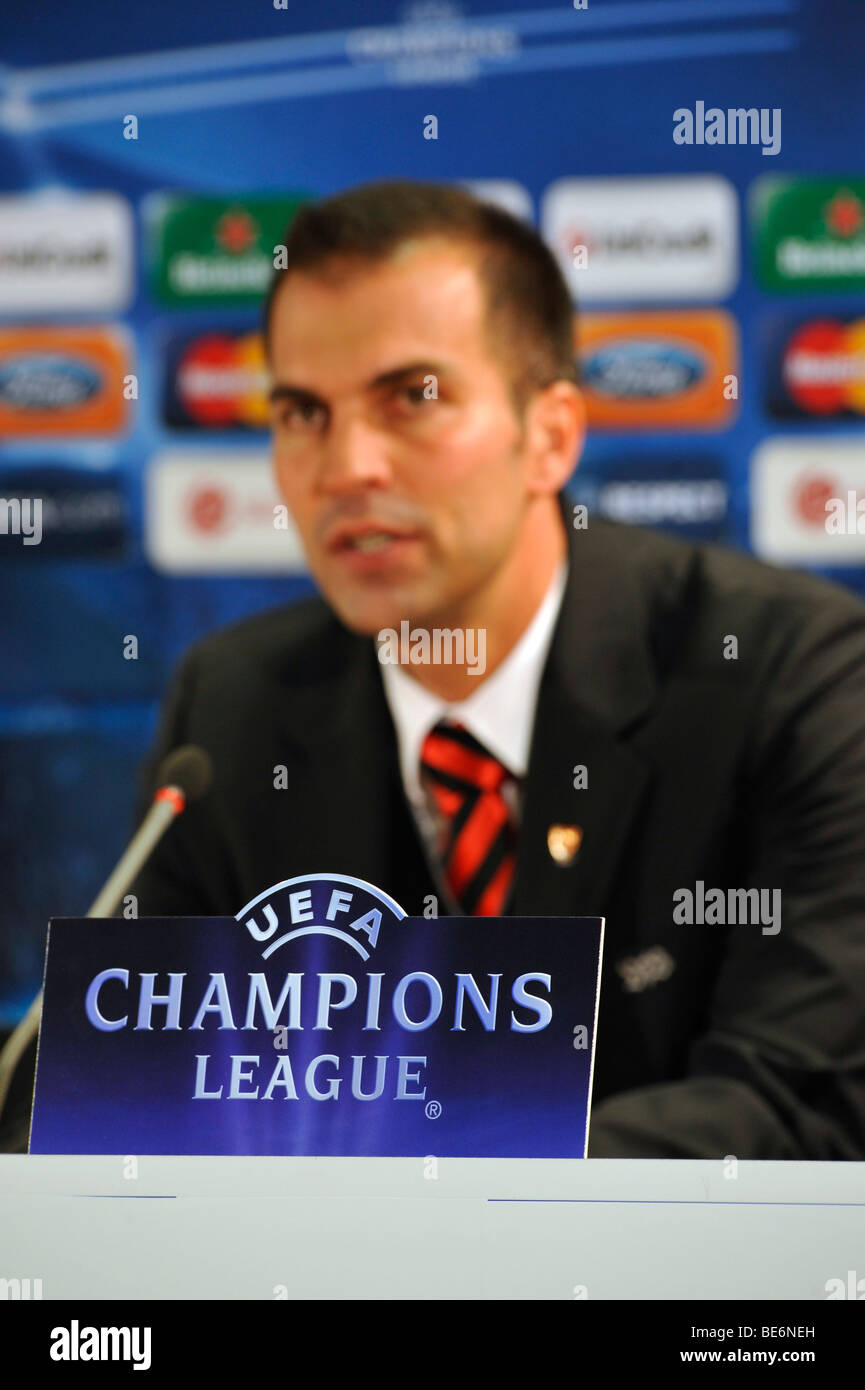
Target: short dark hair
<point x="530" y="314"/>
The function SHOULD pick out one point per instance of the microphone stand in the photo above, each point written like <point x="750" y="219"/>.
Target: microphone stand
<point x="167" y="803"/>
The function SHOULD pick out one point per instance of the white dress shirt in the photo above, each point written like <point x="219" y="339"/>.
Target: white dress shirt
<point x="500" y="713"/>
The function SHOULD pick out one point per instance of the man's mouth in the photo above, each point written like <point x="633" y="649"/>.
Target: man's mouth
<point x="372" y="540"/>
<point x="368" y="539"/>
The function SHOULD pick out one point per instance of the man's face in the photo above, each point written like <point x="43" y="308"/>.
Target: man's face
<point x="396" y="446"/>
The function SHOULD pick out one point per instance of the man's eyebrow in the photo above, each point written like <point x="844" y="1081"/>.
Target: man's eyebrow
<point x="285" y="391"/>
<point x="396" y="374"/>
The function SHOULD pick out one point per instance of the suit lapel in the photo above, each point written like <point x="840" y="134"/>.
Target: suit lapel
<point x="566" y="737"/>
<point x="598" y="682"/>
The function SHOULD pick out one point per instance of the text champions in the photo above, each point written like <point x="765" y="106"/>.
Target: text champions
<point x="417" y="1001"/>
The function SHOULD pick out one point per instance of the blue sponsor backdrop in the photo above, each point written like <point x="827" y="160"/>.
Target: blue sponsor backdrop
<point x="232" y="101"/>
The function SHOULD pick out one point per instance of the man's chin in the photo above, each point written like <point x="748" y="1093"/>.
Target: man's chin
<point x="368" y="609"/>
<point x="370" y="618"/>
<point x="366" y="625"/>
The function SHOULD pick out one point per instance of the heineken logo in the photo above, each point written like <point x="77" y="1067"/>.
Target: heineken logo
<point x="236" y="231"/>
<point x="810" y="233"/>
<point x="213" y="250"/>
<point x="844" y="215"/>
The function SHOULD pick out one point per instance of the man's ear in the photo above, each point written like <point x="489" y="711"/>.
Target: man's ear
<point x="555" y="433"/>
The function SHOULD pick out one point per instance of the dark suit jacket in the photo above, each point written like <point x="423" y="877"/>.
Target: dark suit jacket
<point x="736" y="772"/>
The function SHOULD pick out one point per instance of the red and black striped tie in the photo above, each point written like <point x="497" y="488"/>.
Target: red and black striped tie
<point x="479" y="843"/>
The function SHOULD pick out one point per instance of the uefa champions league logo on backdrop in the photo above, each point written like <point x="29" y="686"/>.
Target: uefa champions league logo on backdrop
<point x="348" y="909"/>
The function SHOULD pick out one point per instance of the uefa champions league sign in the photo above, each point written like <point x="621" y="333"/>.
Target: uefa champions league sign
<point x="322" y="1020"/>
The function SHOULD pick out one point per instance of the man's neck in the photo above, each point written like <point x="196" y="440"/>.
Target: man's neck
<point x="503" y="610"/>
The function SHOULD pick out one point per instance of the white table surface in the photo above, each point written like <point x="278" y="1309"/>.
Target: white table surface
<point x="265" y="1228"/>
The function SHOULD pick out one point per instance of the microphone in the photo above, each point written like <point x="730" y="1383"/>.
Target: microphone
<point x="184" y="776"/>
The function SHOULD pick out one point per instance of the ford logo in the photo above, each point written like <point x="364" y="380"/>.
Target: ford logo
<point x="43" y="381"/>
<point x="642" y="368"/>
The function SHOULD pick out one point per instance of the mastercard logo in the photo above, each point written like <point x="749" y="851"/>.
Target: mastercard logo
<point x="823" y="367"/>
<point x="222" y="381"/>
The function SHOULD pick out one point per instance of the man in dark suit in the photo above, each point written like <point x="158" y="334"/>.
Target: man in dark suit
<point x="670" y="736"/>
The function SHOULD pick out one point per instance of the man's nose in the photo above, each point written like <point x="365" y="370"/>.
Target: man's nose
<point x="353" y="457"/>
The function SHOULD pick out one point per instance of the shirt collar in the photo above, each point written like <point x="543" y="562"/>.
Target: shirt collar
<point x="500" y="713"/>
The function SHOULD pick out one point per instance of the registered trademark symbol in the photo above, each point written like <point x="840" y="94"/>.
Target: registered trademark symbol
<point x="433" y="1109"/>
